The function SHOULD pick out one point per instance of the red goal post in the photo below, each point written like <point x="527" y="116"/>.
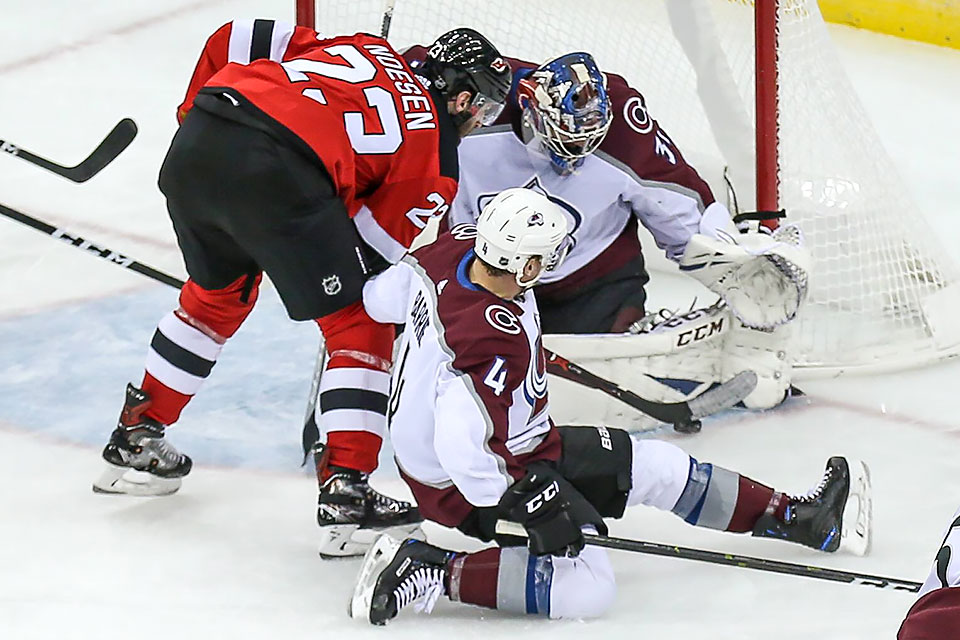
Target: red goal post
<point x="754" y="92"/>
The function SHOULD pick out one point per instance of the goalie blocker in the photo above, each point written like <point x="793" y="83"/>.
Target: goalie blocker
<point x="671" y="357"/>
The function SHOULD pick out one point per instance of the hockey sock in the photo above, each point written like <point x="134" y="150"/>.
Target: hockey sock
<point x="717" y="498"/>
<point x="508" y="579"/>
<point x="354" y="387"/>
<point x="188" y="341"/>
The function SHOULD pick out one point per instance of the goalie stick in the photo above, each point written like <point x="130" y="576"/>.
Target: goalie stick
<point x="684" y="416"/>
<point x="733" y="560"/>
<point x="116" y="141"/>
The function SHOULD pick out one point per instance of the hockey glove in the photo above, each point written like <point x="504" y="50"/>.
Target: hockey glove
<point x="536" y="503"/>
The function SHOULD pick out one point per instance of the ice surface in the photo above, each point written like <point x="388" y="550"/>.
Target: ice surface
<point x="232" y="555"/>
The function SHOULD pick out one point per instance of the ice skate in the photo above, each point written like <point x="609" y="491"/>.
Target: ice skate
<point x="139" y="460"/>
<point x="352" y="515"/>
<point x="395" y="574"/>
<point x="836" y="515"/>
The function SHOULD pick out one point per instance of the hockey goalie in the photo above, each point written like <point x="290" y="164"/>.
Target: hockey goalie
<point x="585" y="140"/>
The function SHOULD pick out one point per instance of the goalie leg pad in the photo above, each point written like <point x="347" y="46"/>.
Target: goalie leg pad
<point x="768" y="354"/>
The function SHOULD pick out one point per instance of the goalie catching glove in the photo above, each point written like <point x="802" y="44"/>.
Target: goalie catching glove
<point x="762" y="277"/>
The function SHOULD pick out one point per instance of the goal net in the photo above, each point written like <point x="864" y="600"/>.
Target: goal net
<point x="882" y="289"/>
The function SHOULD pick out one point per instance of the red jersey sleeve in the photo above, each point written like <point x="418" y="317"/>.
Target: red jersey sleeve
<point x="395" y="214"/>
<point x="243" y="42"/>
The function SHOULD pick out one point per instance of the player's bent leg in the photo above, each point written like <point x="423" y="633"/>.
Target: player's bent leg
<point x="351" y="416"/>
<point x="397" y="574"/>
<point x="183" y="350"/>
<point x="837" y="514"/>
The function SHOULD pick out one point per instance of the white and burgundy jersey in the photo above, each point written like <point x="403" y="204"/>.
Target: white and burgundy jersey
<point x="936" y="614"/>
<point x="636" y="174"/>
<point x="468" y="402"/>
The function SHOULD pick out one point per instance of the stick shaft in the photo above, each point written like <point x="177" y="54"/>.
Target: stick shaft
<point x="732" y="560"/>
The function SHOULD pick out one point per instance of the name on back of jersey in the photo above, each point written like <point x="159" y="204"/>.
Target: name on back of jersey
<point x="415" y="105"/>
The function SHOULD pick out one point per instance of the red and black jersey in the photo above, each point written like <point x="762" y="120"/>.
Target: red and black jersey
<point x="354" y="104"/>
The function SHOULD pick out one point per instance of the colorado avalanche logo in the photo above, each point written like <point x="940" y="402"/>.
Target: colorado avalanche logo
<point x="636" y="116"/>
<point x="502" y="319"/>
<point x="464" y="231"/>
<point x="535" y="220"/>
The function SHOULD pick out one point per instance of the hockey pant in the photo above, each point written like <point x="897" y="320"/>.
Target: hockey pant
<point x="355" y="384"/>
<point x="661" y="475"/>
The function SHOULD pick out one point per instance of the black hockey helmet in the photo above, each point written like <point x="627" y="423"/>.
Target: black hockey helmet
<point x="463" y="60"/>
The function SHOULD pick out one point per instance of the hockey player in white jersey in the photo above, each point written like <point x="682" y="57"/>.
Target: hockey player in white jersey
<point x="470" y="425"/>
<point x="587" y="142"/>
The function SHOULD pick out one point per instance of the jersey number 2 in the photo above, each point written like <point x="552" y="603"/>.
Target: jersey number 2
<point x="357" y="69"/>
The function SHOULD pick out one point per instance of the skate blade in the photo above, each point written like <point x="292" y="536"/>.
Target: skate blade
<point x="348" y="540"/>
<point x="856" y="526"/>
<point x="130" y="482"/>
<point x="377" y="558"/>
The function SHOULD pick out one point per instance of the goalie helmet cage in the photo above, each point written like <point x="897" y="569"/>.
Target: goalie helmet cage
<point x="883" y="293"/>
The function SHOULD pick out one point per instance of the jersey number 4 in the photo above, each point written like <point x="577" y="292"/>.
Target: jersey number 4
<point x="358" y="69"/>
<point x="496" y="377"/>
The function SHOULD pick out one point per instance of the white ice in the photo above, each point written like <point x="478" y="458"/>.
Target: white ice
<point x="232" y="555"/>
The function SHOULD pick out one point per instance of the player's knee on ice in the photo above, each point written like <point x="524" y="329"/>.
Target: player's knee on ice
<point x="583" y="587"/>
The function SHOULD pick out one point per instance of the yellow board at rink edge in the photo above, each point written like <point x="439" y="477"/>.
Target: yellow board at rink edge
<point x="933" y="21"/>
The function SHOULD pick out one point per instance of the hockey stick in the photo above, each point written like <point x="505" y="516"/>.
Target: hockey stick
<point x="746" y="562"/>
<point x="387" y="17"/>
<point x="116" y="141"/>
<point x="85" y="245"/>
<point x="684" y="416"/>
<point x="311" y="432"/>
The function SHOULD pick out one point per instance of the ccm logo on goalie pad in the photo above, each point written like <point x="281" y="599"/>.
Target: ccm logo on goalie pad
<point x="545" y="496"/>
<point x="702" y="332"/>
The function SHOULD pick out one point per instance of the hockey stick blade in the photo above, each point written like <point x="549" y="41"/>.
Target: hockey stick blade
<point x="723" y="396"/>
<point x="506" y="528"/>
<point x="679" y="414"/>
<point x="116" y="141"/>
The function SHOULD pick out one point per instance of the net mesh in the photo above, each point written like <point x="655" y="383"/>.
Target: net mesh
<point x="876" y="262"/>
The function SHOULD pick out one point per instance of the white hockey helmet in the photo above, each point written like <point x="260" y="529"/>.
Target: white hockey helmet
<point x="519" y="224"/>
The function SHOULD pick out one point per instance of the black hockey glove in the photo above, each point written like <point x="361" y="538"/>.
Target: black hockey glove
<point x="536" y="503"/>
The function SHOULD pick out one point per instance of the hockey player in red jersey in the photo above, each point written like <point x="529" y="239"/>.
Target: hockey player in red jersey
<point x="316" y="161"/>
<point x="470" y="425"/>
<point x="936" y="614"/>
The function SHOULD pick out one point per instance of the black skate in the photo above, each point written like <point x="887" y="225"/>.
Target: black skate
<point x="836" y="515"/>
<point x="352" y="515"/>
<point x="395" y="574"/>
<point x="139" y="460"/>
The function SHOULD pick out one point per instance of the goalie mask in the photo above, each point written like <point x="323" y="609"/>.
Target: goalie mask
<point x="565" y="104"/>
<point x="463" y="60"/>
<point x="519" y="224"/>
